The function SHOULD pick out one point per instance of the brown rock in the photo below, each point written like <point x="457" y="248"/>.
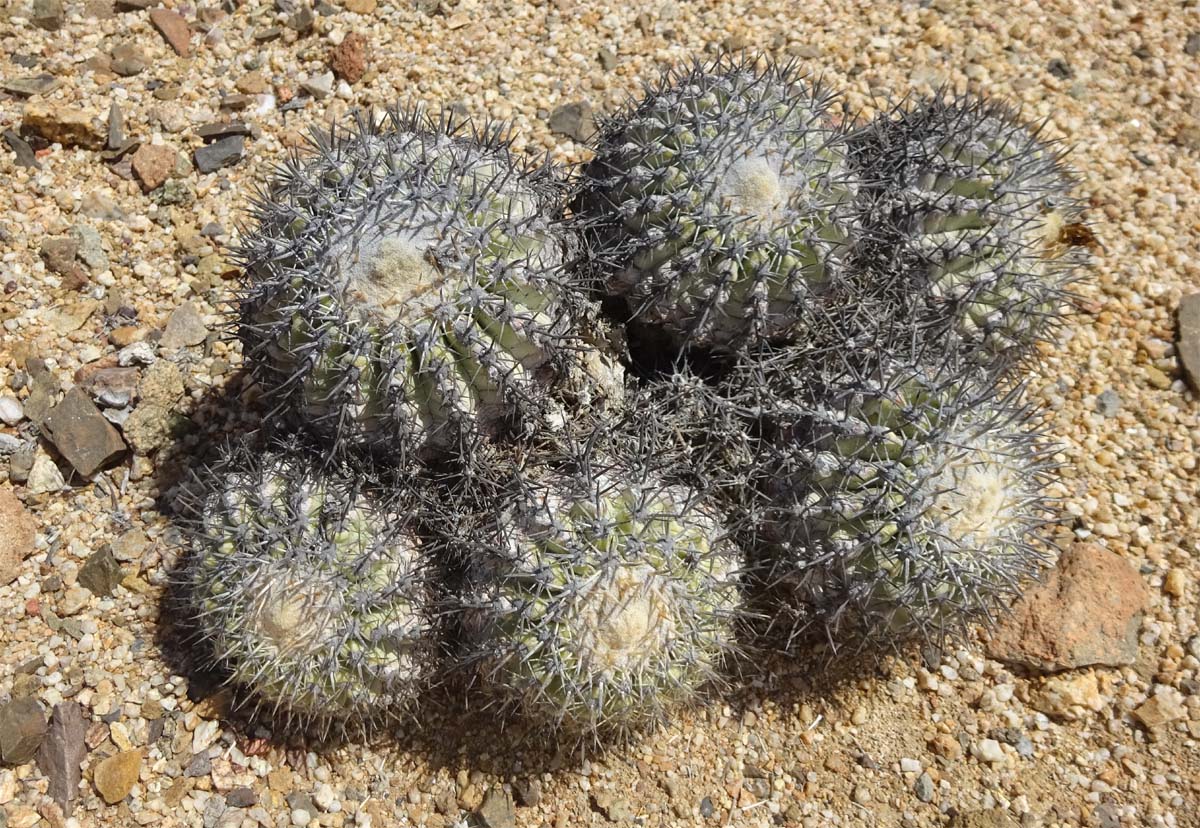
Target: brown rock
<point x="64" y="125"/>
<point x="361" y="6"/>
<point x="123" y="335"/>
<point x="18" y="533"/>
<point x="115" y="776"/>
<point x="82" y="435"/>
<point x="59" y="254"/>
<point x="22" y="728"/>
<point x="62" y="753"/>
<point x="348" y="59"/>
<point x="1188" y="346"/>
<point x="252" y="83"/>
<point x="174" y="29"/>
<point x="153" y="164"/>
<point x="1087" y="611"/>
<point x="982" y="819"/>
<point x="1161" y="708"/>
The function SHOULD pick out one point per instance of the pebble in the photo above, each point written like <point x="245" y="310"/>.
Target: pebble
<point x="101" y="573"/>
<point x="1087" y="611"/>
<point x="574" y="120"/>
<point x="82" y="435"/>
<point x="1108" y="403"/>
<point x="89" y="247"/>
<point x="607" y="58"/>
<point x="62" y="752"/>
<point x="62" y="124"/>
<point x="18" y="533"/>
<point x="320" y="87"/>
<point x="112" y="387"/>
<point x="528" y="791"/>
<point x="348" y="59"/>
<point x="1069" y="697"/>
<point x="23" y="153"/>
<point x="47" y="14"/>
<point x="1163" y="707"/>
<point x="300" y="817"/>
<point x="128" y="60"/>
<point x="219" y="130"/>
<point x="923" y="788"/>
<point x="173" y="28"/>
<point x="185" y="327"/>
<point x="137" y="353"/>
<point x="44" y="475"/>
<point x="223" y="153"/>
<point x="910" y="766"/>
<point x="241" y="798"/>
<point x="22" y="729"/>
<point x="115" y="776"/>
<point x="497" y="809"/>
<point x="205" y="736"/>
<point x="1188" y="346"/>
<point x="28" y="87"/>
<point x="1191" y="47"/>
<point x="153" y="164"/>
<point x="988" y="750"/>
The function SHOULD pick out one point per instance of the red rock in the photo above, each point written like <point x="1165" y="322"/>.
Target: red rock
<point x="153" y="165"/>
<point x="174" y="29"/>
<point x="18" y="532"/>
<point x="348" y="59"/>
<point x="1088" y="610"/>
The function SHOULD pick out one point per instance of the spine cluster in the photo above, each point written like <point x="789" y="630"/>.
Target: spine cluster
<point x="749" y="379"/>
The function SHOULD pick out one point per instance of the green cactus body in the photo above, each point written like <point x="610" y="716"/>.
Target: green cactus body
<point x="405" y="290"/>
<point x="611" y="603"/>
<point x="717" y="206"/>
<point x="311" y="595"/>
<point x="904" y="507"/>
<point x="966" y="214"/>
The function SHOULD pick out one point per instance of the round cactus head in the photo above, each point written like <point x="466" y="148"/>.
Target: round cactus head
<point x="609" y="604"/>
<point x="970" y="228"/>
<point x="903" y="504"/>
<point x="313" y="596"/>
<point x="717" y="205"/>
<point x="404" y="289"/>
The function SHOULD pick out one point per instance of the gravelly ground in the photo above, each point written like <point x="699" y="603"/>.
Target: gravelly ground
<point x="1116" y="79"/>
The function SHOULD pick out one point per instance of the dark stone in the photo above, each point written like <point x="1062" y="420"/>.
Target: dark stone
<point x="27" y="87"/>
<point x="116" y="127"/>
<point x="573" y="120"/>
<point x="528" y="791"/>
<point x="22" y="728"/>
<point x="216" y="131"/>
<point x="302" y="21"/>
<point x="497" y="809"/>
<point x="1188" y="344"/>
<point x="62" y="753"/>
<point x="22" y="149"/>
<point x="1060" y="69"/>
<point x="706" y="807"/>
<point x="241" y="798"/>
<point x="82" y="435"/>
<point x="101" y="573"/>
<point x="201" y="765"/>
<point x="1191" y="47"/>
<point x="47" y="14"/>
<point x="235" y="103"/>
<point x="268" y="34"/>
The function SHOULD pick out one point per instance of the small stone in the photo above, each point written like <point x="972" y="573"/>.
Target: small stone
<point x="90" y="248"/>
<point x="115" y="776"/>
<point x="47" y="14"/>
<point x="1163" y="707"/>
<point x="1059" y="68"/>
<point x="153" y="164"/>
<point x="11" y="410"/>
<point x="574" y="120"/>
<point x="101" y="573"/>
<point x="130" y="545"/>
<point x="267" y="34"/>
<point x="1086" y="611"/>
<point x="1191" y="47"/>
<point x="201" y="765"/>
<point x="302" y="21"/>
<point x="112" y="387"/>
<point x="173" y="28"/>
<point x="184" y="328"/>
<point x="18" y="533"/>
<point x="128" y="60"/>
<point x="497" y="809"/>
<point x="614" y="808"/>
<point x="1069" y="697"/>
<point x="59" y="253"/>
<point x="241" y="798"/>
<point x="300" y="817"/>
<point x="223" y="153"/>
<point x="923" y="788"/>
<point x="205" y="736"/>
<point x="23" y="152"/>
<point x="361" y="6"/>
<point x="988" y="750"/>
<point x="348" y="59"/>
<point x="82" y="435"/>
<point x="44" y="476"/>
<point x="320" y="87"/>
<point x="607" y="58"/>
<point x="62" y="124"/>
<point x="1188" y="346"/>
<point x="217" y="131"/>
<point x="982" y="819"/>
<point x="62" y="753"/>
<point x="528" y="791"/>
<point x="1108" y="403"/>
<point x="22" y="729"/>
<point x="252" y="83"/>
<point x="910" y="766"/>
<point x="706" y="807"/>
<point x="28" y="87"/>
<point x="1157" y="378"/>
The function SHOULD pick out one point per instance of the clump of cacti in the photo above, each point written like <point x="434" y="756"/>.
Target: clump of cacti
<point x="311" y="593"/>
<point x="821" y="315"/>
<point x="717" y="206"/>
<point x="968" y="224"/>
<point x="605" y="596"/>
<point x="405" y="290"/>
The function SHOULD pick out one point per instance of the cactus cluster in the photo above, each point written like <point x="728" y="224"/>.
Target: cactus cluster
<point x="821" y="428"/>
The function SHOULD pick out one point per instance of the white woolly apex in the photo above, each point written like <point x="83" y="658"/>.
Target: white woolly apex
<point x="290" y="613"/>
<point x="393" y="277"/>
<point x="978" y="495"/>
<point x="755" y="188"/>
<point x="624" y="619"/>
